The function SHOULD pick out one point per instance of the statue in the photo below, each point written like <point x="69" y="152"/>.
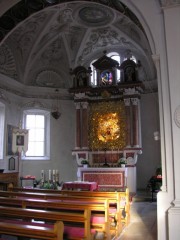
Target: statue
<point x="141" y="75"/>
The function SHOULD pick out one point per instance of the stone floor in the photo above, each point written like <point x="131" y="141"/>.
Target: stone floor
<point x="143" y="224"/>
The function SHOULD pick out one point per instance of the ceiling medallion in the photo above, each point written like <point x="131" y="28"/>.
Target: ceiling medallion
<point x="94" y="15"/>
<point x="49" y="78"/>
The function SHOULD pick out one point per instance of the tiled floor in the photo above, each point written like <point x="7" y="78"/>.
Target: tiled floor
<point x="143" y="224"/>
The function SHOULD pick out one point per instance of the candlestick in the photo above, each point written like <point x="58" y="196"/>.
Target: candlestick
<point x="57" y="175"/>
<point x="49" y="175"/>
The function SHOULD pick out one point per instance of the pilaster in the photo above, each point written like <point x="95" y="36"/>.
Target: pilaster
<point x="127" y="103"/>
<point x="84" y="125"/>
<point x="78" y="125"/>
<point x="135" y="121"/>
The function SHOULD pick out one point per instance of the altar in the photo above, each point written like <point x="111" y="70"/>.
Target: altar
<point x="109" y="179"/>
<point x="108" y="124"/>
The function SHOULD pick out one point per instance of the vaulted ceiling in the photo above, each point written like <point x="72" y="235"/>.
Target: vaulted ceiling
<point x="42" y="39"/>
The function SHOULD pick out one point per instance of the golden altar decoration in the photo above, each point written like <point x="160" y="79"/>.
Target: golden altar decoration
<point x="107" y="125"/>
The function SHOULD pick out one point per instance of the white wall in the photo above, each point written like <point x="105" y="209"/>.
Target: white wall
<point x="62" y="139"/>
<point x="62" y="142"/>
<point x="150" y="158"/>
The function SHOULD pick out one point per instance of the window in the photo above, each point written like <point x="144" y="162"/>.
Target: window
<point x="112" y="55"/>
<point x="38" y="124"/>
<point x="2" y="119"/>
<point x="93" y="74"/>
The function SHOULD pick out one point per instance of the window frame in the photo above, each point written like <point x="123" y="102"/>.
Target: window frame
<point x="46" y="133"/>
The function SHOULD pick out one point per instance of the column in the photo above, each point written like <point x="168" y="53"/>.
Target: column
<point x="171" y="9"/>
<point x="78" y="125"/>
<point x="128" y="121"/>
<point x="135" y="122"/>
<point x="84" y="125"/>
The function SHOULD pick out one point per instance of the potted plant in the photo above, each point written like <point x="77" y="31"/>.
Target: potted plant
<point x="122" y="162"/>
<point x="85" y="163"/>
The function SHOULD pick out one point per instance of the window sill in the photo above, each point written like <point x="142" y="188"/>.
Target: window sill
<point x="36" y="158"/>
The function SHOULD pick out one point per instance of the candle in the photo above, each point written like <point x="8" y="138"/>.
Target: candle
<point x="42" y="175"/>
<point x="57" y="175"/>
<point x="54" y="173"/>
<point x="49" y="174"/>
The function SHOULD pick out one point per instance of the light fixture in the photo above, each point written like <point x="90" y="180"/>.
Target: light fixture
<point x="55" y="108"/>
<point x="156" y="136"/>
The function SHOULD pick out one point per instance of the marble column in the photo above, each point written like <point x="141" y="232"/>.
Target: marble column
<point x="135" y="122"/>
<point x="78" y="125"/>
<point x="84" y="125"/>
<point x="127" y="103"/>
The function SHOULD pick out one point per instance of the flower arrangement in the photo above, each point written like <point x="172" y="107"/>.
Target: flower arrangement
<point x="84" y="162"/>
<point x="122" y="161"/>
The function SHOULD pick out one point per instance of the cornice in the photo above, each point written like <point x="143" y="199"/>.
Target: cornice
<point x="169" y="3"/>
<point x="34" y="92"/>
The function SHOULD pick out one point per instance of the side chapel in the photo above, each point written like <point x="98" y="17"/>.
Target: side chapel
<point x="108" y="127"/>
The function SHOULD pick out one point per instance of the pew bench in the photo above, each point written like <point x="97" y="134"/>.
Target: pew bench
<point x="26" y="229"/>
<point x="63" y="206"/>
<point x="122" y="197"/>
<point x="118" y="200"/>
<point x="51" y="216"/>
<point x="109" y="214"/>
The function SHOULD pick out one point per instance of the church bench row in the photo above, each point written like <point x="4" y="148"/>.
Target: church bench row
<point x="17" y="228"/>
<point x="122" y="197"/>
<point x="111" y="203"/>
<point x="103" y="226"/>
<point x="24" y="214"/>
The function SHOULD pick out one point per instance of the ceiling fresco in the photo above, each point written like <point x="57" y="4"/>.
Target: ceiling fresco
<point x="40" y="40"/>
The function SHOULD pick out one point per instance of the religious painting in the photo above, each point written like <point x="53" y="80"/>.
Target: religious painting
<point x="9" y="139"/>
<point x="108" y="127"/>
<point x="107" y="124"/>
<point x="20" y="140"/>
<point x="106" y="78"/>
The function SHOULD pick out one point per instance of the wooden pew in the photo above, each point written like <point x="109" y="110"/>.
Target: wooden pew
<point x="122" y="198"/>
<point x="113" y="198"/>
<point x="63" y="205"/>
<point x="50" y="216"/>
<point x="63" y="196"/>
<point x="17" y="228"/>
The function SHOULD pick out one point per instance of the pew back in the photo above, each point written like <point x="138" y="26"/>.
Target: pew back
<point x="49" y="216"/>
<point x="17" y="228"/>
<point x="121" y="198"/>
<point x="60" y="205"/>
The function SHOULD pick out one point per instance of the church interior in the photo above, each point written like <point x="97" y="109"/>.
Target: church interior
<point x="89" y="111"/>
